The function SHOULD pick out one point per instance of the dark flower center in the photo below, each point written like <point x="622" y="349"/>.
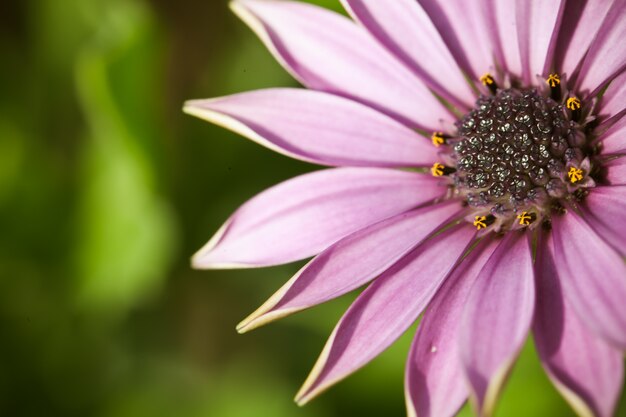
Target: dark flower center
<point x="516" y="157"/>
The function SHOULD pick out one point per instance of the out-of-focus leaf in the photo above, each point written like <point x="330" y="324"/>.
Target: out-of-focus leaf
<point x="125" y="231"/>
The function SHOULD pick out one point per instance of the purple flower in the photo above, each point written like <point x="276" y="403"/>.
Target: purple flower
<point x="510" y="217"/>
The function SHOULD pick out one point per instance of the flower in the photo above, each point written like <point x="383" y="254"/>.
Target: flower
<point x="509" y="219"/>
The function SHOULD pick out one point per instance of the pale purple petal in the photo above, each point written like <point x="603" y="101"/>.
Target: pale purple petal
<point x="497" y="317"/>
<point x="614" y="139"/>
<point x="386" y="309"/>
<point x="616" y="171"/>
<point x="538" y="25"/>
<point x="605" y="211"/>
<point x="404" y="28"/>
<point x="593" y="277"/>
<point x="578" y="29"/>
<point x="585" y="369"/>
<point x="304" y="215"/>
<point x="434" y="384"/>
<point x="465" y="28"/>
<point x="326" y="51"/>
<point x="505" y="27"/>
<point x="352" y="262"/>
<point x="317" y="127"/>
<point x="612" y="105"/>
<point x="606" y="58"/>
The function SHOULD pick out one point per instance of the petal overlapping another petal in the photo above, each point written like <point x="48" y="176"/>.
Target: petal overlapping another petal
<point x="614" y="139"/>
<point x="317" y="127"/>
<point x="604" y="211"/>
<point x="304" y="215"/>
<point x="434" y="382"/>
<point x="326" y="51"/>
<point x="497" y="318"/>
<point x="464" y="27"/>
<point x="386" y="309"/>
<point x="592" y="277"/>
<point x="352" y="262"/>
<point x="578" y="29"/>
<point x="538" y="24"/>
<point x="586" y="370"/>
<point x="404" y="28"/>
<point x="606" y="58"/>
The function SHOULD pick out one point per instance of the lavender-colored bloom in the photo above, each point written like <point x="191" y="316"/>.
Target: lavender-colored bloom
<point x="512" y="219"/>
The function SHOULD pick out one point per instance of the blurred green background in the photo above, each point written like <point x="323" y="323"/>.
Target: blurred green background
<point x="107" y="189"/>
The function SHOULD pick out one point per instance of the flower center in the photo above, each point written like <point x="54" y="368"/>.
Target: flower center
<point x="516" y="157"/>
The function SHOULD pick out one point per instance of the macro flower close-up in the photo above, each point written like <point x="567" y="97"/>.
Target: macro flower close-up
<point x="475" y="183"/>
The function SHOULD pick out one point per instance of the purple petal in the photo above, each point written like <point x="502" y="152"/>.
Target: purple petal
<point x="317" y="127"/>
<point x="386" y="309"/>
<point x="614" y="139"/>
<point x="504" y="23"/>
<point x="352" y="262"/>
<point x="604" y="211"/>
<point x="606" y="58"/>
<point x="304" y="215"/>
<point x="325" y="51"/>
<point x="497" y="317"/>
<point x="404" y="28"/>
<point x="585" y="369"/>
<point x="616" y="171"/>
<point x="613" y="102"/>
<point x="578" y="29"/>
<point x="538" y="25"/>
<point x="464" y="27"/>
<point x="435" y="385"/>
<point x="592" y="277"/>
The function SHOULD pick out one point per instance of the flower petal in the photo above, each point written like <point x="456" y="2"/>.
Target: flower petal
<point x="606" y="58"/>
<point x="578" y="29"/>
<point x="497" y="317"/>
<point x="614" y="139"/>
<point x="616" y="171"/>
<point x="604" y="211"/>
<point x="538" y="24"/>
<point x="352" y="262"/>
<point x="386" y="309"/>
<point x="612" y="105"/>
<point x="404" y="28"/>
<point x="585" y="369"/>
<point x="326" y="51"/>
<point x="434" y="381"/>
<point x="593" y="277"/>
<point x="463" y="26"/>
<point x="302" y="216"/>
<point x="504" y="23"/>
<point x="317" y="127"/>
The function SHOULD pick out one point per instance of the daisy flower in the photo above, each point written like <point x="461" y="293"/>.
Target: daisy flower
<point x="477" y="180"/>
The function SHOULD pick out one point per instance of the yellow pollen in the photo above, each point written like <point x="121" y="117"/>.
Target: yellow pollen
<point x="480" y="222"/>
<point x="438" y="139"/>
<point x="437" y="169"/>
<point x="487" y="79"/>
<point x="575" y="175"/>
<point x="553" y="80"/>
<point x="525" y="218"/>
<point x="573" y="103"/>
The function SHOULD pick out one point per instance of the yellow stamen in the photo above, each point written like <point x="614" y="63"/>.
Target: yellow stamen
<point x="573" y="103"/>
<point x="526" y="218"/>
<point x="438" y="139"/>
<point x="437" y="169"/>
<point x="553" y="80"/>
<point x="480" y="222"/>
<point x="487" y="79"/>
<point x="575" y="175"/>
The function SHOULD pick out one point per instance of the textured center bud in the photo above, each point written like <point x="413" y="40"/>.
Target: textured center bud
<point x="516" y="152"/>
